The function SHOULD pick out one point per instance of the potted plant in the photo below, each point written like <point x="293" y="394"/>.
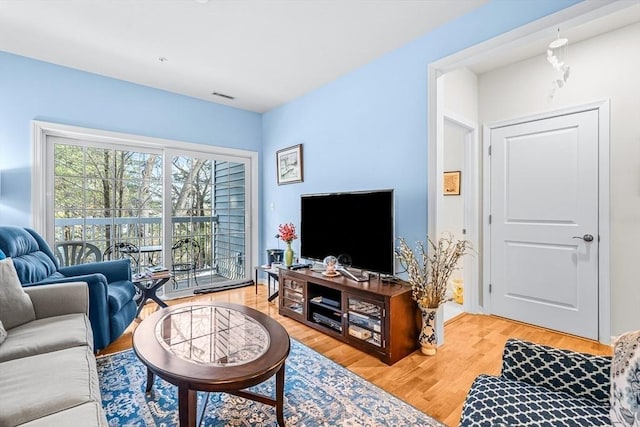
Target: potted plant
<point x="428" y="270"/>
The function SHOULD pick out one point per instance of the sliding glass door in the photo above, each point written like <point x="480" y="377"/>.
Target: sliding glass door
<point x="184" y="209"/>
<point x="208" y="228"/>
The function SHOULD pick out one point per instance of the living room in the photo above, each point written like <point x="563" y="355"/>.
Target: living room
<point x="377" y="111"/>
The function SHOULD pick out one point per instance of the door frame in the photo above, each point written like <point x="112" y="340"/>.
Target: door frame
<point x="470" y="179"/>
<point x="604" y="235"/>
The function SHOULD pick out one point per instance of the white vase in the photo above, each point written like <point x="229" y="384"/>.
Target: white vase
<point x="432" y="332"/>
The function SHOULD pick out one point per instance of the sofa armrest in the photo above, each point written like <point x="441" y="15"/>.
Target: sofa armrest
<point x="98" y="303"/>
<point x="58" y="299"/>
<point x="580" y="374"/>
<point x="119" y="269"/>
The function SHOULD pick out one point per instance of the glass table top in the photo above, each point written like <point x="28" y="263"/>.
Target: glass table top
<point x="214" y="336"/>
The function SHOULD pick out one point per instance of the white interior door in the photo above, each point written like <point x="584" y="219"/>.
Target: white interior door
<point x="544" y="213"/>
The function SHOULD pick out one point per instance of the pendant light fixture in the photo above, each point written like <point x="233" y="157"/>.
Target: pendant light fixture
<point x="558" y="56"/>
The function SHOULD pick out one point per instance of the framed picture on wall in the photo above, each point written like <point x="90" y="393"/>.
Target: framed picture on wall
<point x="451" y="183"/>
<point x="289" y="165"/>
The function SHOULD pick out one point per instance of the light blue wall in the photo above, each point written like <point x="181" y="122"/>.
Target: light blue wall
<point x="368" y="129"/>
<point x="31" y="89"/>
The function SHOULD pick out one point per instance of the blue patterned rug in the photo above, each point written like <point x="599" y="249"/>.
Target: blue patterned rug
<point x="318" y="392"/>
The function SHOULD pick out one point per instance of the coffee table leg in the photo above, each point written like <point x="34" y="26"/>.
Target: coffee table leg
<point x="187" y="406"/>
<point x="203" y="409"/>
<point x="280" y="396"/>
<point x="150" y="378"/>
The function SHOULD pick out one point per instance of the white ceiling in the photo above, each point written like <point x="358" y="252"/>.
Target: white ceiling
<point x="262" y="52"/>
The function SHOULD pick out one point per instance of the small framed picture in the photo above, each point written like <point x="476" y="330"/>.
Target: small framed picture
<point x="289" y="165"/>
<point x="451" y="183"/>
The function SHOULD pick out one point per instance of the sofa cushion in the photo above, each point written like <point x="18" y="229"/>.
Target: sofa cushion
<point x="497" y="401"/>
<point x="15" y="304"/>
<point x="46" y="335"/>
<point x="625" y="380"/>
<point x="37" y="386"/>
<point x="583" y="375"/>
<point x="85" y="415"/>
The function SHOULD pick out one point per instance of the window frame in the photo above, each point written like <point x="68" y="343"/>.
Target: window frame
<point x="42" y="214"/>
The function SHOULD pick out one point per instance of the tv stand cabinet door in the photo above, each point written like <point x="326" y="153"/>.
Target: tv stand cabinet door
<point x="365" y="323"/>
<point x="292" y="297"/>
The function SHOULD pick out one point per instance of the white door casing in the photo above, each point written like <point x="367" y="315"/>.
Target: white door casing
<point x="471" y="211"/>
<point x="543" y="199"/>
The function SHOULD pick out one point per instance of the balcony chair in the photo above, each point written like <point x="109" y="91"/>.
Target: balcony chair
<point x="111" y="292"/>
<point x="185" y="254"/>
<point x="77" y="252"/>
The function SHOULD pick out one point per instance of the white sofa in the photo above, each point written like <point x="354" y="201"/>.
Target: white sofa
<point x="48" y="373"/>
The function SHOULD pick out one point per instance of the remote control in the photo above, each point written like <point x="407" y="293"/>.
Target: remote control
<point x="299" y="266"/>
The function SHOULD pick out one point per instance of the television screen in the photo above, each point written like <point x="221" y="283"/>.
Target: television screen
<point x="357" y="224"/>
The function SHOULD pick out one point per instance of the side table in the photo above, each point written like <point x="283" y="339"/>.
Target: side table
<point x="272" y="275"/>
<point x="148" y="287"/>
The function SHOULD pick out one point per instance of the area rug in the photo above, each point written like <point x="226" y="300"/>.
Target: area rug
<point x="318" y="392"/>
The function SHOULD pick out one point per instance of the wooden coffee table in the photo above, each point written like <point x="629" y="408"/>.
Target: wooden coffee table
<point x="213" y="347"/>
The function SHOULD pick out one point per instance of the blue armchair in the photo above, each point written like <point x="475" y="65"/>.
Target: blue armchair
<point x="111" y="293"/>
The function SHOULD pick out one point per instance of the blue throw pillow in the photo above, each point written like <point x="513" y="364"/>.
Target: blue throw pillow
<point x="2" y="255"/>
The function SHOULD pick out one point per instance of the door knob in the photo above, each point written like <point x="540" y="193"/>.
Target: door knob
<point x="586" y="237"/>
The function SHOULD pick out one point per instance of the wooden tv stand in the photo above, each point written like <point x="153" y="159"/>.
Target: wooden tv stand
<point x="375" y="317"/>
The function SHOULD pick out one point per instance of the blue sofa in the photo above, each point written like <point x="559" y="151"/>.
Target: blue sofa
<point x="541" y="386"/>
<point x="111" y="293"/>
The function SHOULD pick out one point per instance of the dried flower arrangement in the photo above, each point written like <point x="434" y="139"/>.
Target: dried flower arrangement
<point x="287" y="232"/>
<point x="429" y="272"/>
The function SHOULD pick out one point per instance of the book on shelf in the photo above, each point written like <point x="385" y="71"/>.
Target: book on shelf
<point x="157" y="269"/>
<point x="160" y="275"/>
<point x="155" y="272"/>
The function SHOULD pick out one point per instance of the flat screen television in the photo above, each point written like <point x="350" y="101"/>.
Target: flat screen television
<point x="358" y="224"/>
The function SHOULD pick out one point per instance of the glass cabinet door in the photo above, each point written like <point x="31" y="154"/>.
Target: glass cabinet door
<point x="365" y="320"/>
<point x="292" y="296"/>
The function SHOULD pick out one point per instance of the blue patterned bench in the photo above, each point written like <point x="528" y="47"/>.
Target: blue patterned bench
<point x="541" y="386"/>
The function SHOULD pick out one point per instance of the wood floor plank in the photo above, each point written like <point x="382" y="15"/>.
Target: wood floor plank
<point x="437" y="385"/>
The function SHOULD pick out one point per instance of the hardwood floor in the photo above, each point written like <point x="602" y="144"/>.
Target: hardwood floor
<point x="437" y="385"/>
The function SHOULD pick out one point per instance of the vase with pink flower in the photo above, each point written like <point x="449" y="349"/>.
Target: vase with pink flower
<point x="287" y="233"/>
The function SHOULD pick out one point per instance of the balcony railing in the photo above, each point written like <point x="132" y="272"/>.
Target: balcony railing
<point x="222" y="245"/>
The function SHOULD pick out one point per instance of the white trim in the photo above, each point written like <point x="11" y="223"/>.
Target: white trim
<point x="604" y="272"/>
<point x="38" y="176"/>
<point x="542" y="115"/>
<point x="41" y="190"/>
<point x="89" y="134"/>
<point x="486" y="211"/>
<point x="433" y="180"/>
<point x="604" y="225"/>
<point x="470" y="178"/>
